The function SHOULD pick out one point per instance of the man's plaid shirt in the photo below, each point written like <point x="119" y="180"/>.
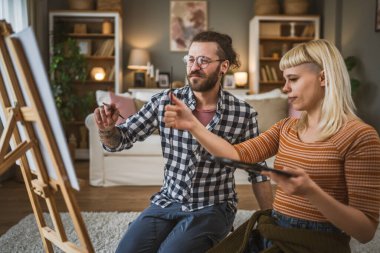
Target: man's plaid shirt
<point x="191" y="177"/>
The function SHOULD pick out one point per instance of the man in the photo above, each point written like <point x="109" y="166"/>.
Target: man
<point x="196" y="205"/>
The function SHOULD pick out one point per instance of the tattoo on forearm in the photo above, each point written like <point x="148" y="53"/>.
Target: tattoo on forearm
<point x="110" y="138"/>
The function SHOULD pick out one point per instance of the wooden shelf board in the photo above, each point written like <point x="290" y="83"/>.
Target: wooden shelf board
<point x="287" y="38"/>
<point x="91" y="35"/>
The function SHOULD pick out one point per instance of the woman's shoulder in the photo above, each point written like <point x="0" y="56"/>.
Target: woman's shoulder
<point x="356" y="131"/>
<point x="358" y="127"/>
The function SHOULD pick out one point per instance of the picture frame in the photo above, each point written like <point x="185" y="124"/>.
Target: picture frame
<point x="229" y="82"/>
<point x="84" y="47"/>
<point x="187" y="18"/>
<point x="163" y="80"/>
<point x="377" y="16"/>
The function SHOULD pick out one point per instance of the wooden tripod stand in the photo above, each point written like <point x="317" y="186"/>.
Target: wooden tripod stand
<point x="36" y="141"/>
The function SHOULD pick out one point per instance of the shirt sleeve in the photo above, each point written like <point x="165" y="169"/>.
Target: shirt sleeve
<point x="362" y="172"/>
<point x="261" y="147"/>
<point x="140" y="125"/>
<point x="252" y="131"/>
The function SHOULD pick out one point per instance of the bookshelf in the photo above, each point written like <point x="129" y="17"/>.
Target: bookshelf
<point x="270" y="37"/>
<point x="98" y="35"/>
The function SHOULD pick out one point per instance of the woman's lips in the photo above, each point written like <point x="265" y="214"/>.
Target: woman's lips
<point x="291" y="99"/>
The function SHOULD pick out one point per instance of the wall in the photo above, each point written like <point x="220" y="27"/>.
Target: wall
<point x="354" y="33"/>
<point x="146" y="25"/>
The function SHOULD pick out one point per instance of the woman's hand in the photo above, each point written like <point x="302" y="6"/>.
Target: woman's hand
<point x="299" y="184"/>
<point x="179" y="115"/>
<point x="106" y="117"/>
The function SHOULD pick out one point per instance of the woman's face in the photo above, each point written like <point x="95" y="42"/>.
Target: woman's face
<point x="305" y="86"/>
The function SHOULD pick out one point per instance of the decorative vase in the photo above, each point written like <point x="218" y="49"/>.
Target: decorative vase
<point x="81" y="4"/>
<point x="296" y="7"/>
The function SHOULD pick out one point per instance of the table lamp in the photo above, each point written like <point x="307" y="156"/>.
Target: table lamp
<point x="98" y="73"/>
<point x="138" y="61"/>
<point x="241" y="79"/>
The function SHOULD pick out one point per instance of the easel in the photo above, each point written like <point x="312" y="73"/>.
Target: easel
<point x="20" y="128"/>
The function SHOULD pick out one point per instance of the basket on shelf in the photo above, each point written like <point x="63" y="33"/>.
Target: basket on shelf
<point x="81" y="4"/>
<point x="296" y="7"/>
<point x="265" y="7"/>
<point x="109" y="5"/>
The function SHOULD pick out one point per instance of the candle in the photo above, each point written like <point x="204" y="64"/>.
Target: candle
<point x="157" y="75"/>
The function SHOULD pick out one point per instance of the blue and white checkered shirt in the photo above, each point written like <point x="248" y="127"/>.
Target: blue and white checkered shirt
<point x="191" y="177"/>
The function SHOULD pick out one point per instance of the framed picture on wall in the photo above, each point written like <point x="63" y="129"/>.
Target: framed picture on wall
<point x="187" y="18"/>
<point x="229" y="82"/>
<point x="163" y="80"/>
<point x="377" y="19"/>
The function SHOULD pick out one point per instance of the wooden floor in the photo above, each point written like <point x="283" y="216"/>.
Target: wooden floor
<point x="15" y="203"/>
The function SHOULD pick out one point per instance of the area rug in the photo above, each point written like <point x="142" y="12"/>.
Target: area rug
<point x="106" y="229"/>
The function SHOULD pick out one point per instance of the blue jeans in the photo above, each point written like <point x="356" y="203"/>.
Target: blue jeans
<point x="172" y="230"/>
<point x="291" y="222"/>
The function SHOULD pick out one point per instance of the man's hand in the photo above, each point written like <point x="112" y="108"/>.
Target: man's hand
<point x="106" y="117"/>
<point x="179" y="115"/>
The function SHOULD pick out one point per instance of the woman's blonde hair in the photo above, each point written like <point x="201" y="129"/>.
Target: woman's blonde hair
<point x="337" y="105"/>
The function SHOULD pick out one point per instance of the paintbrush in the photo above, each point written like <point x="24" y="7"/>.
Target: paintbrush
<point x="171" y="136"/>
<point x="109" y="107"/>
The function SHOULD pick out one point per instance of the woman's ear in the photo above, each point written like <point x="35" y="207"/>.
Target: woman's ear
<point x="322" y="78"/>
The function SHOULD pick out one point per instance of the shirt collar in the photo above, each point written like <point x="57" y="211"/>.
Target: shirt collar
<point x="191" y="101"/>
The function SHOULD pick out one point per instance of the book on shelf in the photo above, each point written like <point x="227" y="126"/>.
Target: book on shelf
<point x="308" y="31"/>
<point x="264" y="77"/>
<point x="269" y="73"/>
<point x="274" y="74"/>
<point x="111" y="74"/>
<point x="106" y="48"/>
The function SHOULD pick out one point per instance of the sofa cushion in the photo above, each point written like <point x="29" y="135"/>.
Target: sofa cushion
<point x="271" y="107"/>
<point x="269" y="111"/>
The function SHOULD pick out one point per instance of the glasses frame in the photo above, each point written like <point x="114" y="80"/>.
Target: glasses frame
<point x="197" y="59"/>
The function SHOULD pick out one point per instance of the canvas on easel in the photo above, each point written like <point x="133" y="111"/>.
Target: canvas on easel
<point x="37" y="142"/>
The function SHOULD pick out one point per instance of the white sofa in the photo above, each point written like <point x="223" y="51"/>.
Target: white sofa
<point x="143" y="163"/>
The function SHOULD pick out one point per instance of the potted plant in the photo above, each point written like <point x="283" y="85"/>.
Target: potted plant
<point x="351" y="62"/>
<point x="67" y="67"/>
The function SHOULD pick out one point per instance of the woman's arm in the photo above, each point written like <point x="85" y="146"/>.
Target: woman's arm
<point x="347" y="218"/>
<point x="180" y="116"/>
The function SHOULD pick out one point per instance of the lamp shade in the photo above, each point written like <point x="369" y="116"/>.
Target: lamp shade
<point x="241" y="78"/>
<point x="138" y="59"/>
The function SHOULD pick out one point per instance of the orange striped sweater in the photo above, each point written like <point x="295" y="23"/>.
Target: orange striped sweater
<point x="346" y="166"/>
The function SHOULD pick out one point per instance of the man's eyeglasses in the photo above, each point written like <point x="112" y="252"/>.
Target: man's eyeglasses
<point x="202" y="61"/>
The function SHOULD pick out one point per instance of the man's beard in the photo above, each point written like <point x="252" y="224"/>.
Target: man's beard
<point x="203" y="85"/>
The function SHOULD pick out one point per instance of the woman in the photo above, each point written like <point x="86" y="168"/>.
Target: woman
<point x="333" y="156"/>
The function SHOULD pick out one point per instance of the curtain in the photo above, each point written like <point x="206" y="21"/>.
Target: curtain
<point x="15" y="12"/>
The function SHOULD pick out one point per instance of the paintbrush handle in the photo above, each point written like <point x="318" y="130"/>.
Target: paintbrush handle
<point x="109" y="107"/>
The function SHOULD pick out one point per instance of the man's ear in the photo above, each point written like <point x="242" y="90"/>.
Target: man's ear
<point x="322" y="78"/>
<point x="224" y="67"/>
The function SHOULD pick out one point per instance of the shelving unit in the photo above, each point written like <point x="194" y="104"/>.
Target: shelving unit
<point x="64" y="23"/>
<point x="270" y="37"/>
<point x="102" y="47"/>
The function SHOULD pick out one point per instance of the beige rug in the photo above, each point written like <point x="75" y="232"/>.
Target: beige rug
<point x="105" y="230"/>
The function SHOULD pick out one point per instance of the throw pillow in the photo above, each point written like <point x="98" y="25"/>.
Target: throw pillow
<point x="124" y="104"/>
<point x="270" y="111"/>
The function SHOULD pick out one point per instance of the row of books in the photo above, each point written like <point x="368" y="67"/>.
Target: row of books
<point x="269" y="74"/>
<point x="106" y="48"/>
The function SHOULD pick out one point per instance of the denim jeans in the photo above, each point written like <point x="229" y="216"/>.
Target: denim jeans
<point x="290" y="222"/>
<point x="172" y="230"/>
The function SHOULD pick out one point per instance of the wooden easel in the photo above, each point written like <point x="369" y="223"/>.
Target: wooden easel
<point x="28" y="118"/>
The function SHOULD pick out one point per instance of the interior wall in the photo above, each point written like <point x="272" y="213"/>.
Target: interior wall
<point x="354" y="33"/>
<point x="360" y="39"/>
<point x="146" y="25"/>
